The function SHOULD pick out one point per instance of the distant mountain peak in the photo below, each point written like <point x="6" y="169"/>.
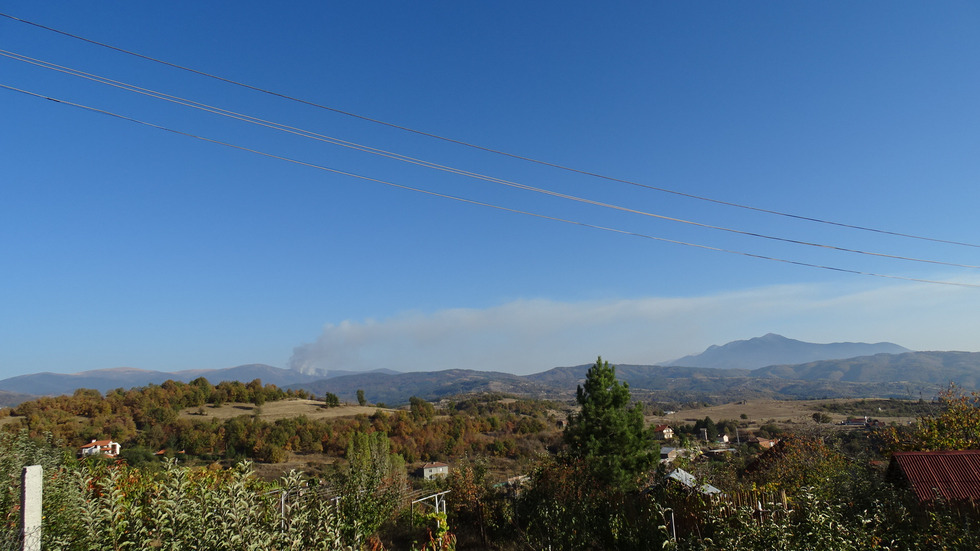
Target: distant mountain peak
<point x="774" y="349"/>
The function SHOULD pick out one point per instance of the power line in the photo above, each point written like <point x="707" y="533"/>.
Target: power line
<point x="428" y="164"/>
<point x="480" y="203"/>
<point x="488" y="149"/>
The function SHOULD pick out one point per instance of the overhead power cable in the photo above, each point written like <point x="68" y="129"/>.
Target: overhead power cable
<point x="480" y="203"/>
<point x="420" y="162"/>
<point x="488" y="149"/>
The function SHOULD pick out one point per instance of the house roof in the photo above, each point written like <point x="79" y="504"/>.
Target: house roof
<point x="434" y="465"/>
<point x="687" y="479"/>
<point x="952" y="475"/>
<point x="97" y="443"/>
<point x="661" y="428"/>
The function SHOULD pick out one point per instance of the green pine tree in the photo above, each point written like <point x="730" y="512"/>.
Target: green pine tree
<point x="609" y="432"/>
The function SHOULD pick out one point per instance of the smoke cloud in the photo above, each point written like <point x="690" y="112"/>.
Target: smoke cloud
<point x="528" y="336"/>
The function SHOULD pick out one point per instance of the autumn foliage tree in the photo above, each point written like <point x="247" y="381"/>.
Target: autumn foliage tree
<point x="797" y="462"/>
<point x="955" y="427"/>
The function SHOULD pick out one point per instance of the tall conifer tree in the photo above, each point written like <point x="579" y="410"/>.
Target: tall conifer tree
<point x="608" y="432"/>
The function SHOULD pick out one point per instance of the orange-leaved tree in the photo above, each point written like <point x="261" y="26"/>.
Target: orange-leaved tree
<point x="955" y="427"/>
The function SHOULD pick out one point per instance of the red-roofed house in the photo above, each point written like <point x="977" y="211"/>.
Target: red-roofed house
<point x="663" y="432"/>
<point x="107" y="448"/>
<point x="764" y="443"/>
<point x="951" y="475"/>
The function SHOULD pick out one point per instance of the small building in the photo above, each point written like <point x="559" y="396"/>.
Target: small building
<point x="717" y="452"/>
<point x="953" y="476"/>
<point x="668" y="454"/>
<point x="663" y="432"/>
<point x="107" y="448"/>
<point x="433" y="470"/>
<point x="764" y="443"/>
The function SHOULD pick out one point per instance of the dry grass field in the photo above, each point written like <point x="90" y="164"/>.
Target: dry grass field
<point x="311" y="464"/>
<point x="760" y="412"/>
<point x="8" y="419"/>
<point x="281" y="409"/>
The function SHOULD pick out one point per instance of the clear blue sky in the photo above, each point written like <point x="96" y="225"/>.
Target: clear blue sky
<point x="124" y="245"/>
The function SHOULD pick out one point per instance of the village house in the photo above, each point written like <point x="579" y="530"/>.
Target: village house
<point x="430" y="471"/>
<point x="764" y="443"/>
<point x="663" y="432"/>
<point x="107" y="448"/>
<point x="668" y="454"/>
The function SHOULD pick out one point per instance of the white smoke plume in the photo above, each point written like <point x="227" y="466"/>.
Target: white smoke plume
<point x="528" y="336"/>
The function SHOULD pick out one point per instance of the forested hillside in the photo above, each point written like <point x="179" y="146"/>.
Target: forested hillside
<point x="174" y="418"/>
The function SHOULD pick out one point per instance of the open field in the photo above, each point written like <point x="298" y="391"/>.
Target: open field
<point x="313" y="464"/>
<point x="281" y="409"/>
<point x="760" y="412"/>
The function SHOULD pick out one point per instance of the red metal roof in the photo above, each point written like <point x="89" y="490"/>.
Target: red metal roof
<point x="952" y="475"/>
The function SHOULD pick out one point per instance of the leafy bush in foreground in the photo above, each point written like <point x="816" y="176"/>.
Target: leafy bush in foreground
<point x="95" y="504"/>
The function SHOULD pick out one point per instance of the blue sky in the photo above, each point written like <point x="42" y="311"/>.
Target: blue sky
<point x="125" y="245"/>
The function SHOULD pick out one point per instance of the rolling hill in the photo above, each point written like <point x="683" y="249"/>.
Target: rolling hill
<point x="11" y="399"/>
<point x="908" y="375"/>
<point x="938" y="368"/>
<point x="432" y="385"/>
<point x="127" y="377"/>
<point x="885" y="370"/>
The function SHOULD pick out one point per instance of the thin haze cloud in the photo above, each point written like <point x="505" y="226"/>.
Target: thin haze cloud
<point x="528" y="336"/>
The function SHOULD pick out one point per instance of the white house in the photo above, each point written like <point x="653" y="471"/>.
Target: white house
<point x="432" y="470"/>
<point x="107" y="448"/>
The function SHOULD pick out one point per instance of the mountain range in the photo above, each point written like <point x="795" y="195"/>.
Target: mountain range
<point x="773" y="349"/>
<point x="767" y="366"/>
